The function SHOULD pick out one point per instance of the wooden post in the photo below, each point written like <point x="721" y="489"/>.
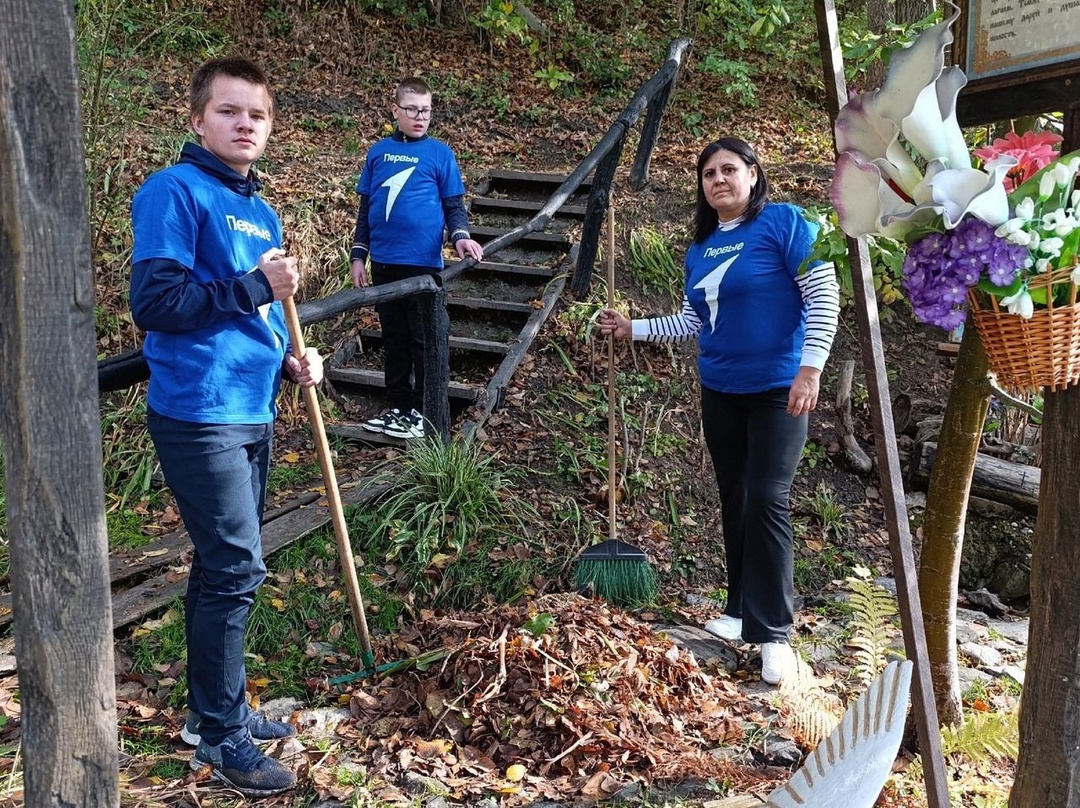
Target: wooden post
<point x="595" y="208"/>
<point x="49" y="418"/>
<point x="892" y="488"/>
<point x="650" y="131"/>
<point x="436" y="327"/>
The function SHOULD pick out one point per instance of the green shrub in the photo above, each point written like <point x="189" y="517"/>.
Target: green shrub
<point x="449" y="525"/>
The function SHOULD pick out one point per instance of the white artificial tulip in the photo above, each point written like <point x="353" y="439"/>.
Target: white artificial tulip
<point x="1046" y="185"/>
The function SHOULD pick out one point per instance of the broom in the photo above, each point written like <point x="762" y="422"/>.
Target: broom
<point x="616" y="571"/>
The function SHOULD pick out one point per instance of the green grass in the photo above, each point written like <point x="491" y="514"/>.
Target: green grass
<point x="814" y="572"/>
<point x="286" y="476"/>
<point x="653" y="265"/>
<point x="300" y="617"/>
<point x="450" y="525"/>
<point x="128" y="455"/>
<point x="827" y="511"/>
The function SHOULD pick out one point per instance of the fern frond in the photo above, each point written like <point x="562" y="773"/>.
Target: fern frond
<point x="982" y="737"/>
<point x="872" y="611"/>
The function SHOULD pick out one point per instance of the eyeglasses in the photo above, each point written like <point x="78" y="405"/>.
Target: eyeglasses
<point x="416" y="112"/>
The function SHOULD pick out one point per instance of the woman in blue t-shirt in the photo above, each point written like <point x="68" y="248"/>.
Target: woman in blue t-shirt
<point x="764" y="330"/>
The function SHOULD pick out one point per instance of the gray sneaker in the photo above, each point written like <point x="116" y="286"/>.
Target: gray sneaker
<point x="243" y="767"/>
<point x="261" y="728"/>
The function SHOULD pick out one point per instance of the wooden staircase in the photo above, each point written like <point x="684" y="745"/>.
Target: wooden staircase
<point x="496" y="308"/>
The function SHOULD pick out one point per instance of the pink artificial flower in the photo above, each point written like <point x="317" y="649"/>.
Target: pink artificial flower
<point x="1033" y="150"/>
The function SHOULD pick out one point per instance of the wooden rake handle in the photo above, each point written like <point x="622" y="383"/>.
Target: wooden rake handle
<point x="333" y="495"/>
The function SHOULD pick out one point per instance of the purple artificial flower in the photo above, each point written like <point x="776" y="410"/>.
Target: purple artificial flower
<point x="940" y="268"/>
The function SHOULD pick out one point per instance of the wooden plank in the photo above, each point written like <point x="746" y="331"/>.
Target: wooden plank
<point x="163" y="551"/>
<point x="490" y="305"/>
<point x="135" y="603"/>
<point x="483" y="234"/>
<point x="482" y="204"/>
<point x="948" y="349"/>
<point x="888" y="457"/>
<point x="375" y="378"/>
<point x="460" y="343"/>
<point x="501" y="378"/>
<point x="533" y="177"/>
<point x="515" y="269"/>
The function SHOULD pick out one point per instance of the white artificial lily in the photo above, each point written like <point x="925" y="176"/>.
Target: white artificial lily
<point x="962" y="191"/>
<point x="932" y="127"/>
<point x="878" y="188"/>
<point x="866" y="203"/>
<point x="1020" y="303"/>
<point x="1074" y="276"/>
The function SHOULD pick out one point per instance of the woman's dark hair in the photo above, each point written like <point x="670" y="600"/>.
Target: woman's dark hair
<point x="705" y="218"/>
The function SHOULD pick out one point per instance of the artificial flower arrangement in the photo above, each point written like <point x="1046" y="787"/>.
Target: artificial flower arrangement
<point x="1007" y="232"/>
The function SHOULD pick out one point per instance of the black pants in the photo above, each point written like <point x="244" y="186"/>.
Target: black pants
<point x="755" y="447"/>
<point x="403" y="338"/>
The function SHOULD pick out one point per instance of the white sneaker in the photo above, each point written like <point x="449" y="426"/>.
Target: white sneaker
<point x="408" y="425"/>
<point x="777" y="660"/>
<point x="726" y="628"/>
<point x="380" y="422"/>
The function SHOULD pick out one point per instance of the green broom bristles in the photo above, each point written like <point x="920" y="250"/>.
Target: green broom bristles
<point x="621" y="581"/>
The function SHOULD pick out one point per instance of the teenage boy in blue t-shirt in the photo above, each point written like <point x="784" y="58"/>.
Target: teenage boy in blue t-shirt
<point x="411" y="193"/>
<point x="208" y="272"/>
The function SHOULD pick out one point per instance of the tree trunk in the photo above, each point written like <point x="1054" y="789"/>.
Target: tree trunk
<point x="879" y="13"/>
<point x="946" y="508"/>
<point x="49" y="418"/>
<point x="1048" y="769"/>
<point x="911" y="11"/>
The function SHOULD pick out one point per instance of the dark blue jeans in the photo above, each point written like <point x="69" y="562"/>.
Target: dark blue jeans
<point x="218" y="474"/>
<point x="755" y="448"/>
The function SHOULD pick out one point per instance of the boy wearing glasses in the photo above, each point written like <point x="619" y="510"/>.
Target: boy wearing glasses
<point x="411" y="193"/>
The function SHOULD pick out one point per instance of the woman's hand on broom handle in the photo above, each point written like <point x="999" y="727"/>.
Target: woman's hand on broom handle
<point x="611" y="322"/>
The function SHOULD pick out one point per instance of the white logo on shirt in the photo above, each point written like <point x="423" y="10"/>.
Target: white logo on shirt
<point x="394" y="185"/>
<point x="244" y="226"/>
<point x="712" y="252"/>
<point x="711" y="285"/>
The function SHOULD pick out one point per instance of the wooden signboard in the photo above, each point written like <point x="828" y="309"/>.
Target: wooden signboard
<point x="1021" y="57"/>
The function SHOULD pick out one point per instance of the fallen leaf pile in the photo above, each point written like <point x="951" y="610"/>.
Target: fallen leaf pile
<point x="561" y="696"/>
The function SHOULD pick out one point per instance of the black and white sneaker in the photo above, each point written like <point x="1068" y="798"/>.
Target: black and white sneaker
<point x="408" y="425"/>
<point x="382" y="421"/>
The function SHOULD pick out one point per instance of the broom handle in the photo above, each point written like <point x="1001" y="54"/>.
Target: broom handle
<point x="611" y="370"/>
<point x="333" y="496"/>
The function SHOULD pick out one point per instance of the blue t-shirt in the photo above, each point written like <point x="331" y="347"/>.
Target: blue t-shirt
<point x="405" y="183"/>
<point x="227" y="372"/>
<point x="741" y="283"/>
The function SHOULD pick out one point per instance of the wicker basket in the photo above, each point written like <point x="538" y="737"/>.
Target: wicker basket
<point x="1041" y="352"/>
